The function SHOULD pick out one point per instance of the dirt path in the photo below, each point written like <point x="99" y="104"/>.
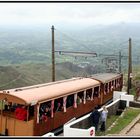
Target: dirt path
<point x="135" y="131"/>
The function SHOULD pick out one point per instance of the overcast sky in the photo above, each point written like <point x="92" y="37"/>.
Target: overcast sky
<point x="68" y="14"/>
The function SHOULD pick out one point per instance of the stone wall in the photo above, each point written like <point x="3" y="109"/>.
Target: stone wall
<point x="134" y="104"/>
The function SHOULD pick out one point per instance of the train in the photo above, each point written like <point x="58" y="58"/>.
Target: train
<point x="49" y="106"/>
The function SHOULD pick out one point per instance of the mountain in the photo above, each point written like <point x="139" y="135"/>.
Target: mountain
<point x="30" y="74"/>
<point x="21" y="46"/>
<point x="109" y="37"/>
<point x="10" y="77"/>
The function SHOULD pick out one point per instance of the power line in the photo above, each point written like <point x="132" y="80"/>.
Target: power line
<point x="120" y="45"/>
<point x="74" y="40"/>
<point x="123" y="42"/>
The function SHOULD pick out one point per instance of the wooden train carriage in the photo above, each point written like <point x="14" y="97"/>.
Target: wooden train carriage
<point x="62" y="93"/>
<point x="109" y="82"/>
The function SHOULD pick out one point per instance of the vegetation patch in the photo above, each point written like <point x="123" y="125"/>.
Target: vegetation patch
<point x="117" y="123"/>
<point x="129" y="115"/>
<point x="110" y="121"/>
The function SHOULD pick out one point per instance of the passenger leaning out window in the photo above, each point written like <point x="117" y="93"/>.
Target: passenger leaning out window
<point x="21" y="113"/>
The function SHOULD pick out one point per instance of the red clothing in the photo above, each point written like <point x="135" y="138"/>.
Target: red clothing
<point x="44" y="118"/>
<point x="21" y="113"/>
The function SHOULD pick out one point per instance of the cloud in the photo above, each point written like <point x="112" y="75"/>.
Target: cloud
<point x="68" y="13"/>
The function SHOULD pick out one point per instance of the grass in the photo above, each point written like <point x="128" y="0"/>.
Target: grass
<point x="133" y="91"/>
<point x="109" y="122"/>
<point x="122" y="122"/>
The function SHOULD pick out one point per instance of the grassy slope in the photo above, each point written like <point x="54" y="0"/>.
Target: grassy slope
<point x="10" y="77"/>
<point x="122" y="122"/>
<point x="30" y="74"/>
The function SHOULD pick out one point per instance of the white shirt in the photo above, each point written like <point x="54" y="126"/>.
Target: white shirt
<point x="104" y="115"/>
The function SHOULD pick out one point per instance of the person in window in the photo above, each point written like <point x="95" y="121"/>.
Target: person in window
<point x="70" y="101"/>
<point x="41" y="111"/>
<point x="46" y="114"/>
<point x="21" y="113"/>
<point x="7" y="106"/>
<point x="59" y="107"/>
<point x="96" y="94"/>
<point x="79" y="100"/>
<point x="13" y="107"/>
<point x="88" y="97"/>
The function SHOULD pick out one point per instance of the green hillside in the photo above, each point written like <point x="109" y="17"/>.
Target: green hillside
<point x="30" y="74"/>
<point x="10" y="77"/>
<point x="25" y="45"/>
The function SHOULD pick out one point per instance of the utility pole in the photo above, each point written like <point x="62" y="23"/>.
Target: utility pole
<point x="129" y="66"/>
<point x="120" y="57"/>
<point x="53" y="56"/>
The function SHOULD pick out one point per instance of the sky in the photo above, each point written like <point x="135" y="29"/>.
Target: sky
<point x="68" y="14"/>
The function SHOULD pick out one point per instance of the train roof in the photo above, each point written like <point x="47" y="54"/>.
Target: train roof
<point x="106" y="77"/>
<point x="47" y="92"/>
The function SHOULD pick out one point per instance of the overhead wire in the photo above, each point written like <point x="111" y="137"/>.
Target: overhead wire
<point x="76" y="41"/>
<point x="84" y="46"/>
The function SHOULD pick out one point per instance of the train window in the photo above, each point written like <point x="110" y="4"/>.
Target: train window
<point x="70" y="101"/>
<point x="96" y="92"/>
<point x="115" y="82"/>
<point x="44" y="111"/>
<point x="112" y="85"/>
<point x="109" y="86"/>
<point x="58" y="104"/>
<point x="106" y="88"/>
<point x="88" y="94"/>
<point x="14" y="110"/>
<point x="1" y="105"/>
<point x="18" y="111"/>
<point x="80" y="97"/>
<point x="118" y="82"/>
<point x="31" y="111"/>
<point x="8" y="106"/>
